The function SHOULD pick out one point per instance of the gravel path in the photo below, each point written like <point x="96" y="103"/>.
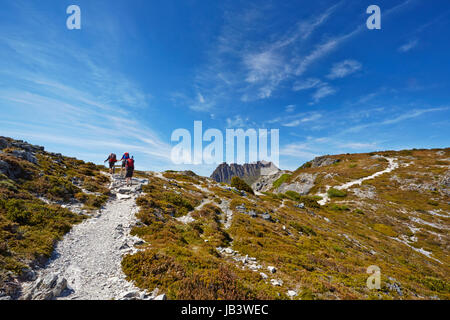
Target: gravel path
<point x="86" y="264"/>
<point x="391" y="166"/>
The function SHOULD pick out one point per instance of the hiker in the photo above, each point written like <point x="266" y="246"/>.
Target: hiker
<point x="112" y="159"/>
<point x="124" y="159"/>
<point x="129" y="166"/>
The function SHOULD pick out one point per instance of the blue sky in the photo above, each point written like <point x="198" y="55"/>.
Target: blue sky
<point x="137" y="70"/>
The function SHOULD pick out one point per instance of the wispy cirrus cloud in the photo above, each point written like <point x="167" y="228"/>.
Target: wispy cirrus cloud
<point x="396" y="119"/>
<point x="344" y="68"/>
<point x="87" y="103"/>
<point x="322" y="89"/>
<point x="408" y="46"/>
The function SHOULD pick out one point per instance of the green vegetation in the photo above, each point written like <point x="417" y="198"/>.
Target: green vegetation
<point x="30" y="227"/>
<point x="308" y="201"/>
<point x="284" y="177"/>
<point x="336" y="193"/>
<point x="240" y="184"/>
<point x="179" y="261"/>
<point x="323" y="251"/>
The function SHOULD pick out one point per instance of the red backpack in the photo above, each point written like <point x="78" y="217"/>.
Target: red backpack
<point x="113" y="157"/>
<point x="130" y="163"/>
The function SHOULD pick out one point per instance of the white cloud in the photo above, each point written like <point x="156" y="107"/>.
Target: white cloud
<point x="306" y="84"/>
<point x="298" y="150"/>
<point x="295" y="121"/>
<point x="322" y="92"/>
<point x="344" y="68"/>
<point x="236" y="122"/>
<point x="408" y="46"/>
<point x="290" y="108"/>
<point x="358" y="145"/>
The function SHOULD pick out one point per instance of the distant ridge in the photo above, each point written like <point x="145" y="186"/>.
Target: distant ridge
<point x="250" y="172"/>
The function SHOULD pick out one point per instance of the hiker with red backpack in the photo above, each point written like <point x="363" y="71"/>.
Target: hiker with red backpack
<point x="112" y="159"/>
<point x="129" y="166"/>
<point x="124" y="159"/>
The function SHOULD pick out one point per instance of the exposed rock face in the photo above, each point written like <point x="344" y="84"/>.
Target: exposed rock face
<point x="19" y="144"/>
<point x="445" y="179"/>
<point x="46" y="288"/>
<point x="250" y="172"/>
<point x="264" y="183"/>
<point x="25" y="155"/>
<point x="323" y="161"/>
<point x="303" y="183"/>
<point x="21" y="150"/>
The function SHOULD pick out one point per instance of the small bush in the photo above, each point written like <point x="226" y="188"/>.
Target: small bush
<point x="303" y="229"/>
<point x="336" y="207"/>
<point x="384" y="229"/>
<point x="240" y="184"/>
<point x="336" y="193"/>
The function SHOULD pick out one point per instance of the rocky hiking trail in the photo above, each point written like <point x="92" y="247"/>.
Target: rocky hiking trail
<point x="391" y="166"/>
<point x="86" y="263"/>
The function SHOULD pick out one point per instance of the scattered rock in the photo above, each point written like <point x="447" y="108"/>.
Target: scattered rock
<point x="272" y="269"/>
<point x="300" y="205"/>
<point x="229" y="250"/>
<point x="161" y="297"/>
<point x="291" y="293"/>
<point x="25" y="155"/>
<point x="47" y="287"/>
<point x="263" y="275"/>
<point x="275" y="282"/>
<point x="393" y="285"/>
<point x="323" y="161"/>
<point x="123" y="196"/>
<point x="130" y="295"/>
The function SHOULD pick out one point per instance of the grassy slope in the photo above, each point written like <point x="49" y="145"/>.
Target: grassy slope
<point x="322" y="252"/>
<point x="30" y="227"/>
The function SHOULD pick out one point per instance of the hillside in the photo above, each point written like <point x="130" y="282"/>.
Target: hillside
<point x="312" y="235"/>
<point x="36" y="187"/>
<point x="397" y="221"/>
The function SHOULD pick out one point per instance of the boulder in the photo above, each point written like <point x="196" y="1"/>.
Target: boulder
<point x="45" y="288"/>
<point x="252" y="213"/>
<point x="5" y="168"/>
<point x="302" y="184"/>
<point x="323" y="161"/>
<point x="4" y="143"/>
<point x="291" y="293"/>
<point x="275" y="282"/>
<point x="263" y="275"/>
<point x="161" y="297"/>
<point x="272" y="269"/>
<point x="25" y="155"/>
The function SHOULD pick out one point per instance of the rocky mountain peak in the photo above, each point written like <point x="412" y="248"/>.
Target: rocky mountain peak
<point x="247" y="171"/>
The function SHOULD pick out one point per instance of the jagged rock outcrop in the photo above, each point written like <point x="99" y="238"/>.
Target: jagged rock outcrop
<point x="303" y="183"/>
<point x="249" y="172"/>
<point x="265" y="183"/>
<point x="323" y="161"/>
<point x="19" y="144"/>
